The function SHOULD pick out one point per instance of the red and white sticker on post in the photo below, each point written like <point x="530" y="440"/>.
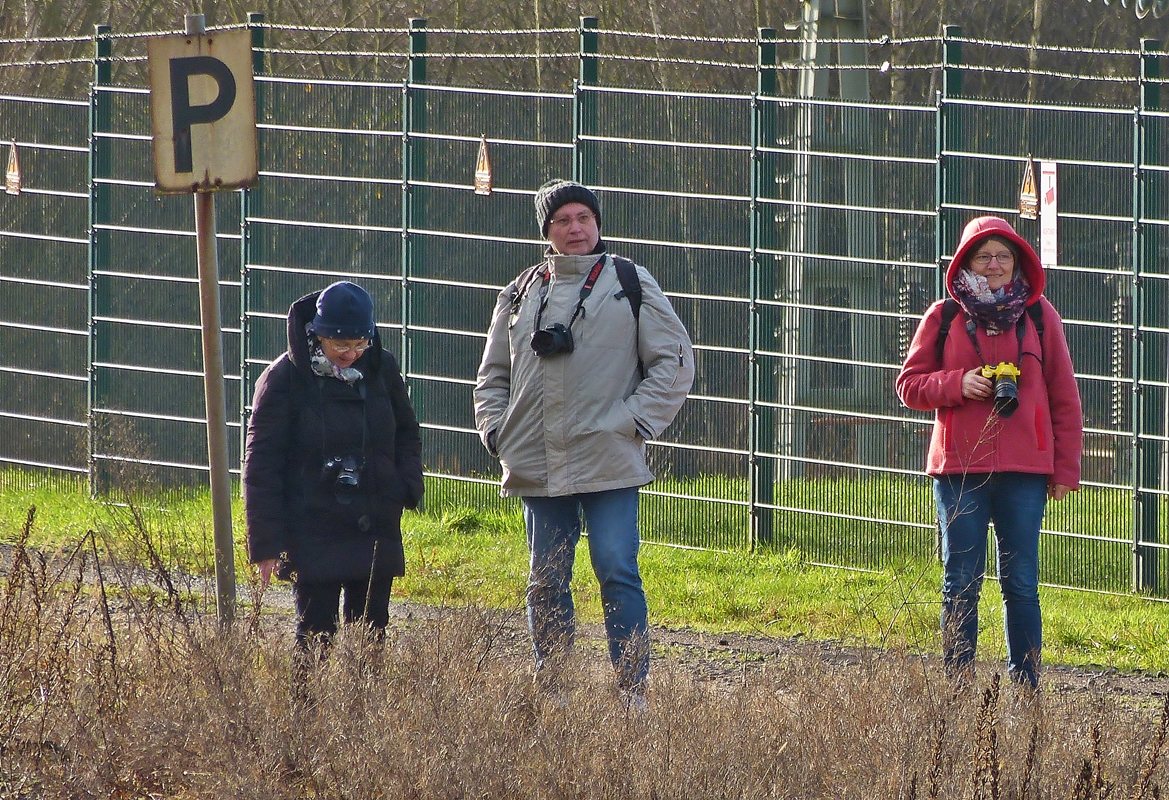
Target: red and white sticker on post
<point x="1048" y="215"/>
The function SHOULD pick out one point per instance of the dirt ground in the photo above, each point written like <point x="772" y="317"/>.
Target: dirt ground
<point x="726" y="658"/>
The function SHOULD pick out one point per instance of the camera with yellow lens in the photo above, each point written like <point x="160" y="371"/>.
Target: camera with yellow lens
<point x="1006" y="387"/>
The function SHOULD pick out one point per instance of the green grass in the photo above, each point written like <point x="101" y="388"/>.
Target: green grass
<point x="458" y="554"/>
<point x="480" y="557"/>
<point x="881" y="522"/>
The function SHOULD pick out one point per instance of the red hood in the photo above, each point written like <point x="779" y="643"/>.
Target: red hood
<point x="975" y="232"/>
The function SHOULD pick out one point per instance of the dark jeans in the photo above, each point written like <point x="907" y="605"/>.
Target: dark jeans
<point x="1015" y="502"/>
<point x="316" y="606"/>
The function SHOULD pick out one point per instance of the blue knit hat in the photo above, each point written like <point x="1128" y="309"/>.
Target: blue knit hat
<point x="344" y="311"/>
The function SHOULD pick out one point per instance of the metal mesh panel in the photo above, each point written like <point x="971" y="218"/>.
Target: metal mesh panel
<point x="1092" y="289"/>
<point x="145" y="303"/>
<point x="674" y="175"/>
<point x="44" y="314"/>
<point x="852" y="260"/>
<point x="465" y="249"/>
<point x="328" y="206"/>
<point x="798" y="240"/>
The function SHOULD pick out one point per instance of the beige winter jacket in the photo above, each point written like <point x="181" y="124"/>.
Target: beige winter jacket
<point x="577" y="422"/>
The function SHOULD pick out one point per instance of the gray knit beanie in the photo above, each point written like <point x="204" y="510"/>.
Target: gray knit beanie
<point x="559" y="192"/>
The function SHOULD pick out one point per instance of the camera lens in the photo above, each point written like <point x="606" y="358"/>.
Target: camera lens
<point x="543" y="343"/>
<point x="556" y="338"/>
<point x="1006" y="396"/>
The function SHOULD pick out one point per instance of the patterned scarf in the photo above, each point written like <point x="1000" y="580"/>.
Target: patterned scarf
<point x="327" y="369"/>
<point x="995" y="311"/>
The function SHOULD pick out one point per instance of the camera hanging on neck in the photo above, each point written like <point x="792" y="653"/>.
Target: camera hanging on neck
<point x="557" y="337"/>
<point x="1005" y="375"/>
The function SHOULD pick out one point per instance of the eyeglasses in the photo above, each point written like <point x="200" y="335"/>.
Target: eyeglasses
<point x="584" y="218"/>
<point x="1004" y="258"/>
<point x="344" y="349"/>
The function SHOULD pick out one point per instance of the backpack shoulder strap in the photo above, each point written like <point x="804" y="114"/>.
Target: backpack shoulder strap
<point x="1035" y="311"/>
<point x="630" y="283"/>
<point x="522" y="284"/>
<point x="631" y="290"/>
<point x="950" y="310"/>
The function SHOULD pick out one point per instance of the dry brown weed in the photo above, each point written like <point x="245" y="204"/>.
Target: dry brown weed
<point x="124" y="691"/>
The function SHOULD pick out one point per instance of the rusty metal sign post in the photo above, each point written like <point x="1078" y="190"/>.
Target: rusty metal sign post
<point x="203" y="120"/>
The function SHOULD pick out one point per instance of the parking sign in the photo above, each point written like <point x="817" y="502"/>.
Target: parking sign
<point x="202" y="111"/>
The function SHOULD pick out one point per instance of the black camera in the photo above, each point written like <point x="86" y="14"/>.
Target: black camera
<point x="345" y="472"/>
<point x="556" y="338"/>
<point x="1006" y="387"/>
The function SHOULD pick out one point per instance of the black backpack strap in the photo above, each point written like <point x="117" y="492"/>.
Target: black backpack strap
<point x="630" y="284"/>
<point x="522" y="284"/>
<point x="631" y="290"/>
<point x="1035" y="311"/>
<point x="950" y="310"/>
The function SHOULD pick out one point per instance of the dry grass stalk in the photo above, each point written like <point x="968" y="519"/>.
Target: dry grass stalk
<point x="1029" y="761"/>
<point x="1145" y="779"/>
<point x="986" y="761"/>
<point x="111" y="688"/>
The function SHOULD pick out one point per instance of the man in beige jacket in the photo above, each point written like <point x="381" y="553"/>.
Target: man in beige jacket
<point x="581" y="367"/>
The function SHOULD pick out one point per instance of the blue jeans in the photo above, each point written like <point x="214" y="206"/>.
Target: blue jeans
<point x="966" y="504"/>
<point x="553" y="526"/>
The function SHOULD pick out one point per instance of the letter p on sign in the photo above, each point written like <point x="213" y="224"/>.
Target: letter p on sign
<point x="202" y="111"/>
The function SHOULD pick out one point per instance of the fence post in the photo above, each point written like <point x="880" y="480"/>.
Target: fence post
<point x="251" y="250"/>
<point x="1146" y="411"/>
<point x="764" y="229"/>
<point x="99" y="214"/>
<point x="584" y="107"/>
<point x="413" y="169"/>
<point x="946" y="140"/>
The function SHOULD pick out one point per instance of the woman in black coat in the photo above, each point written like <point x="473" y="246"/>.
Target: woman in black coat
<point x="333" y="456"/>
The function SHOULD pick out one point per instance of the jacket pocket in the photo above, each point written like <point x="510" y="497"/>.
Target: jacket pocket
<point x="678" y="365"/>
<point x="502" y="426"/>
<point x="1040" y="435"/>
<point x="626" y="423"/>
<point x="946" y="422"/>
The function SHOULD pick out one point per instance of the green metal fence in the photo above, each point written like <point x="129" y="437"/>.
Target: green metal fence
<point x="799" y="239"/>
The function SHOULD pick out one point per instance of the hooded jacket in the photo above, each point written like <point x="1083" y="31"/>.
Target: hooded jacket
<point x="572" y="423"/>
<point x="1045" y="434"/>
<point x="301" y="421"/>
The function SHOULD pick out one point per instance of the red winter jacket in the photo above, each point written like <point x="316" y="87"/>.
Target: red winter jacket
<point x="1045" y="434"/>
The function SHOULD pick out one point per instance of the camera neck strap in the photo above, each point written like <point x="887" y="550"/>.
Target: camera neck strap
<point x="1020" y="330"/>
<point x="585" y="290"/>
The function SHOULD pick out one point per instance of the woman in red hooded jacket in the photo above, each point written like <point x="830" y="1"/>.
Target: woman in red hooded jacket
<point x="1002" y="444"/>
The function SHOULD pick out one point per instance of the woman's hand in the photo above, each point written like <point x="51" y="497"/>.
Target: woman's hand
<point x="266" y="568"/>
<point x="1057" y="491"/>
<point x="976" y="387"/>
